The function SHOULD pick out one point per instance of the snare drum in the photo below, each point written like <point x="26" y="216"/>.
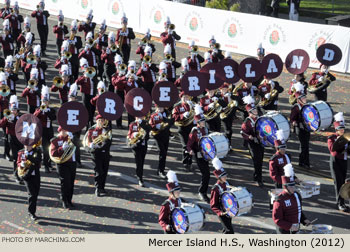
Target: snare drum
<point x="304" y="191"/>
<point x="315" y="186"/>
<point x="187" y="218"/>
<point x="268" y="124"/>
<point x="322" y="229"/>
<point x="273" y="195"/>
<point x="238" y="200"/>
<point x="317" y="115"/>
<point x="214" y="145"/>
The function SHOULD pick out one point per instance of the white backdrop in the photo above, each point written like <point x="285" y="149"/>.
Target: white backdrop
<point x="236" y="32"/>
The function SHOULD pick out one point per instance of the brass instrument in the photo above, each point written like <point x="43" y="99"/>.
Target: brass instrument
<point x="186" y="121"/>
<point x="67" y="154"/>
<point x="292" y="98"/>
<point x="122" y="67"/>
<point x="18" y="61"/>
<point x="100" y="140"/>
<point x="2" y="69"/>
<point x="147" y="59"/>
<point x="102" y="90"/>
<point x="71" y="38"/>
<point x="132" y="71"/>
<point x="140" y="135"/>
<point x="213" y="112"/>
<point x="6" y="113"/>
<point x="228" y="109"/>
<point x="121" y="39"/>
<point x="90" y="72"/>
<point x="265" y="102"/>
<point x="114" y="48"/>
<point x="162" y="127"/>
<point x="43" y="107"/>
<point x="58" y="82"/>
<point x="32" y="84"/>
<point x="320" y="85"/>
<point x="31" y="59"/>
<point x="144" y="40"/>
<point x="195" y="48"/>
<point x="168" y="57"/>
<point x="163" y="76"/>
<point x="217" y="46"/>
<point x="237" y="88"/>
<point x="5" y="90"/>
<point x="68" y="54"/>
<point x="172" y="27"/>
<point x="21" y="171"/>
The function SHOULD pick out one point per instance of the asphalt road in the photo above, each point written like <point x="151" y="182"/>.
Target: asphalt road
<point x="131" y="209"/>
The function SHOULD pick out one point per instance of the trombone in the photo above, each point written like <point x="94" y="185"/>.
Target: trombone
<point x="147" y="59"/>
<point x="58" y="82"/>
<point x="168" y="57"/>
<point x="5" y="90"/>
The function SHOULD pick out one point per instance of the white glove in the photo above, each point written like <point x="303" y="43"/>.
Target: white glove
<point x="272" y="83"/>
<point x="320" y="79"/>
<point x="170" y="31"/>
<point x="134" y="134"/>
<point x="108" y="51"/>
<point x="211" y="105"/>
<point x="46" y="110"/>
<point x="267" y="96"/>
<point x="71" y="42"/>
<point x="186" y="114"/>
<point x="92" y="146"/>
<point x="23" y="163"/>
<point x="70" y="135"/>
<point x="12" y="117"/>
<point x="144" y="67"/>
<point x="215" y="99"/>
<point x="139" y="121"/>
<point x="65" y="145"/>
<point x="164" y="114"/>
<point x="86" y="48"/>
<point x="63" y="59"/>
<point x="294" y="81"/>
<point x="158" y="126"/>
<point x="17" y="56"/>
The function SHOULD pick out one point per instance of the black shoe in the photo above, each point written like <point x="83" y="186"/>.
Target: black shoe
<point x="97" y="193"/>
<point x="64" y="204"/>
<point x="8" y="158"/>
<point x="43" y="54"/>
<point x="188" y="167"/>
<point x="141" y="183"/>
<point x="19" y="181"/>
<point x="47" y="169"/>
<point x="103" y="192"/>
<point x="70" y="204"/>
<point x="203" y="197"/>
<point x="344" y="208"/>
<point x="33" y="216"/>
<point x="79" y="165"/>
<point x="161" y="174"/>
<point x="120" y="127"/>
<point x="260" y="183"/>
<point x="172" y="136"/>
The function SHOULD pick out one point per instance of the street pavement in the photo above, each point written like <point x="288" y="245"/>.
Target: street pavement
<point x="132" y="209"/>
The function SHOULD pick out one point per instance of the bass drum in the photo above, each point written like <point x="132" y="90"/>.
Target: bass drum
<point x="317" y="115"/>
<point x="188" y="218"/>
<point x="214" y="145"/>
<point x="267" y="126"/>
<point x="237" y="201"/>
<point x="322" y="229"/>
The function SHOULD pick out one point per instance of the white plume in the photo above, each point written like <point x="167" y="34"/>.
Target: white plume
<point x="288" y="170"/>
<point x="83" y="62"/>
<point x="111" y="36"/>
<point x="118" y="58"/>
<point x="191" y="43"/>
<point x="132" y="63"/>
<point x="217" y="163"/>
<point x="298" y="87"/>
<point x="148" y="50"/>
<point x="280" y="135"/>
<point x="37" y="49"/>
<point x="13" y="99"/>
<point x="168" y="20"/>
<point x="65" y="44"/>
<point x="172" y="178"/>
<point x="260" y="46"/>
<point x="64" y="68"/>
<point x="248" y="99"/>
<point x="148" y="31"/>
<point x="73" y="89"/>
<point x="90" y="13"/>
<point x="29" y="37"/>
<point x="167" y="49"/>
<point x="2" y="77"/>
<point x="198" y="109"/>
<point x="101" y="84"/>
<point x="74" y="24"/>
<point x="339" y="117"/>
<point x="162" y="65"/>
<point x="26" y="20"/>
<point x="184" y="62"/>
<point x="227" y="54"/>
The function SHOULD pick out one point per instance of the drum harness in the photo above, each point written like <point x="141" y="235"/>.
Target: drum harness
<point x="172" y="206"/>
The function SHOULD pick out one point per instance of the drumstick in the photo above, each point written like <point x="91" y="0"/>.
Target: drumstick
<point x="313" y="221"/>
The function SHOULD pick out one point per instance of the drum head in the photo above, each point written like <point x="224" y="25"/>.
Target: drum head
<point x="180" y="221"/>
<point x="266" y="127"/>
<point x="207" y="147"/>
<point x="311" y="117"/>
<point x="228" y="201"/>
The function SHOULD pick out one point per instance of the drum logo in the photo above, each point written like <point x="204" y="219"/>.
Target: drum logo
<point x="319" y="42"/>
<point x="84" y="3"/>
<point x="194" y="24"/>
<point x="232" y="30"/>
<point x="311" y="116"/>
<point x="115" y="8"/>
<point x="157" y="17"/>
<point x="274" y="37"/>
<point x="267" y="130"/>
<point x="208" y="147"/>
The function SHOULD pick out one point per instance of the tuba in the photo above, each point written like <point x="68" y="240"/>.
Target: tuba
<point x="100" y="140"/>
<point x="213" y="112"/>
<point x="321" y="85"/>
<point x="5" y="90"/>
<point x="265" y="102"/>
<point x="58" y="82"/>
<point x="67" y="154"/>
<point x="228" y="109"/>
<point x="186" y="121"/>
<point x="140" y="135"/>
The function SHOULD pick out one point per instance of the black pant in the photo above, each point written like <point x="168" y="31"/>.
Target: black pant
<point x="66" y="173"/>
<point x="226" y="224"/>
<point x="282" y="231"/>
<point x="75" y="66"/>
<point x="139" y="152"/>
<point x="228" y="126"/>
<point x="321" y="95"/>
<point x="33" y="187"/>
<point x="257" y="153"/>
<point x="338" y="168"/>
<point x="184" y="133"/>
<point x="108" y="71"/>
<point x="121" y="95"/>
<point x="77" y="143"/>
<point x="58" y="46"/>
<point x="16" y="146"/>
<point x="47" y="134"/>
<point x="148" y="86"/>
<point x="43" y="31"/>
<point x="130" y="119"/>
<point x="7" y="53"/>
<point x="214" y="124"/>
<point x="162" y="141"/>
<point x="6" y="142"/>
<point x="31" y="109"/>
<point x="101" y="161"/>
<point x="15" y="34"/>
<point x="205" y="171"/>
<point x="304" y="139"/>
<point x="126" y="53"/>
<point x="275" y="11"/>
<point x="90" y="108"/>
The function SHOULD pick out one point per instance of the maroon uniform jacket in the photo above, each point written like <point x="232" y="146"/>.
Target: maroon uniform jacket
<point x="56" y="147"/>
<point x="194" y="137"/>
<point x="15" y="21"/>
<point x="4" y="103"/>
<point x="60" y="31"/>
<point x="215" y="203"/>
<point x="129" y="86"/>
<point x="11" y="81"/>
<point x="248" y="127"/>
<point x="216" y="57"/>
<point x="108" y="58"/>
<point x="126" y="40"/>
<point x="180" y="110"/>
<point x="22" y="38"/>
<point x="87" y="28"/>
<point x="167" y="207"/>
<point x="9" y="125"/>
<point x="156" y="119"/>
<point x="46" y="118"/>
<point x="33" y="98"/>
<point x="287" y="210"/>
<point x="119" y="82"/>
<point x="41" y="17"/>
<point x="148" y="75"/>
<point x="87" y="85"/>
<point x="74" y="48"/>
<point x="95" y="132"/>
<point x="5" y="12"/>
<point x="90" y="56"/>
<point x="6" y="42"/>
<point x="141" y="50"/>
<point x="276" y="164"/>
<point x="35" y="158"/>
<point x="171" y="69"/>
<point x="170" y="39"/>
<point x="195" y="63"/>
<point x="63" y="92"/>
<point x="59" y="63"/>
<point x="264" y="89"/>
<point x="343" y="155"/>
<point x="204" y="102"/>
<point x="102" y="42"/>
<point x="93" y="100"/>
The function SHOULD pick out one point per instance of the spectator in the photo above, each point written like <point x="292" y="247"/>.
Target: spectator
<point x="293" y="9"/>
<point x="275" y="4"/>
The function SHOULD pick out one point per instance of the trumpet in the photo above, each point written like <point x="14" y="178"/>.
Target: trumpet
<point x="168" y="57"/>
<point x="68" y="54"/>
<point x="132" y="71"/>
<point x="18" y="61"/>
<point x="31" y="59"/>
<point x="6" y="113"/>
<point x="122" y="67"/>
<point x="43" y="107"/>
<point x="90" y="42"/>
<point x="114" y="48"/>
<point x="90" y="72"/>
<point x="32" y="84"/>
<point x="58" y="82"/>
<point x="147" y="59"/>
<point x="5" y="90"/>
<point x="172" y="27"/>
<point x="102" y="90"/>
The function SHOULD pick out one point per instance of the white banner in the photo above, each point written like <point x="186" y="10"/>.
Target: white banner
<point x="236" y="32"/>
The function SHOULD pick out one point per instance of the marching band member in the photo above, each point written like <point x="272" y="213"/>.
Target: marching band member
<point x="208" y="102"/>
<point x="163" y="72"/>
<point x="15" y="23"/>
<point x="66" y="170"/>
<point x="31" y="176"/>
<point x="7" y="10"/>
<point x="12" y="77"/>
<point x="101" y="88"/>
<point x="215" y="52"/>
<point x="102" y="40"/>
<point x="145" y="45"/>
<point x="130" y="84"/>
<point x="261" y="55"/>
<point x="65" y="58"/>
<point x="296" y="121"/>
<point x="139" y="148"/>
<point x="6" y="39"/>
<point x="184" y="69"/>
<point x="228" y="55"/>
<point x="297" y="78"/>
<point x="100" y="154"/>
<point x="38" y="64"/>
<point x="124" y="35"/>
<point x="193" y="149"/>
<point x="46" y="116"/>
<point x="338" y="160"/>
<point x="194" y="59"/>
<point x="28" y="51"/>
<point x="60" y="30"/>
<point x="256" y="150"/>
<point x="207" y="58"/>
<point x="160" y="123"/>
<point x="180" y="113"/>
<point x="219" y="188"/>
<point x="62" y="85"/>
<point x="241" y="91"/>
<point x="107" y="57"/>
<point x="169" y="36"/>
<point x="42" y="16"/>
<point x="170" y="63"/>
<point x="170" y="204"/>
<point x="287" y="210"/>
<point x="75" y="44"/>
<point x="88" y="90"/>
<point x="4" y="105"/>
<point x="8" y="123"/>
<point x="100" y="43"/>
<point x="87" y="26"/>
<point x="22" y="38"/>
<point x="32" y="92"/>
<point x="227" y="99"/>
<point x="266" y="88"/>
<point x="88" y="52"/>
<point x="321" y="78"/>
<point x="148" y="72"/>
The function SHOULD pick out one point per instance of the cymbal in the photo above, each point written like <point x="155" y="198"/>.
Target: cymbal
<point x="341" y="141"/>
<point x="344" y="191"/>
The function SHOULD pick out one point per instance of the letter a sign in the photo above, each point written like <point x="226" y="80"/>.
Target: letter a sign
<point x="110" y="106"/>
<point x="28" y="129"/>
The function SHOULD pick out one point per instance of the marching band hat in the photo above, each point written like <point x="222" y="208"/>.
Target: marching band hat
<point x="280" y="142"/>
<point x="227" y="55"/>
<point x="212" y="40"/>
<point x="339" y="122"/>
<point x="260" y="50"/>
<point x="111" y="36"/>
<point x="98" y="117"/>
<point x="288" y="178"/>
<point x="90" y="16"/>
<point x="103" y="25"/>
<point x="167" y="22"/>
<point x="6" y="25"/>
<point x="124" y="18"/>
<point x="173" y="184"/>
<point x="45" y="95"/>
<point x="60" y="16"/>
<point x="9" y="61"/>
<point x="167" y="49"/>
<point x="74" y="25"/>
<point x="199" y="117"/>
<point x="26" y="22"/>
<point x="73" y="90"/>
<point x="37" y="50"/>
<point x="15" y="6"/>
<point x="299" y="90"/>
<point x="13" y="103"/>
<point x="64" y="71"/>
<point x="219" y="171"/>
